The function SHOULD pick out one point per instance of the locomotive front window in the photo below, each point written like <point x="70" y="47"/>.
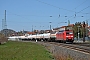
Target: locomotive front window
<point x="69" y="32"/>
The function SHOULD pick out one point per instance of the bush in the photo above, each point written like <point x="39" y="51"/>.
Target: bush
<point x="3" y="39"/>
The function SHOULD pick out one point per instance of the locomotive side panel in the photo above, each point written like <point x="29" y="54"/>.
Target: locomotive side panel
<point x="60" y="35"/>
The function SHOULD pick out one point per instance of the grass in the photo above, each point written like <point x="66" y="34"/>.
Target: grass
<point x="23" y="51"/>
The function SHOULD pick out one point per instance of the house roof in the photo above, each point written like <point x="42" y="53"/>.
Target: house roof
<point x="30" y="33"/>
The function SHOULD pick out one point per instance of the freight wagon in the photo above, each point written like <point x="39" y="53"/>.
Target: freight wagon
<point x="64" y="34"/>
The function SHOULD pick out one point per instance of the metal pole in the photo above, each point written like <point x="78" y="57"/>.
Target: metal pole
<point x="78" y="33"/>
<point x="84" y="35"/>
<point x="50" y="30"/>
<point x="2" y="24"/>
<point x="50" y="26"/>
<point x="5" y="20"/>
<point x="32" y="28"/>
<point x="86" y="28"/>
<point x="84" y="31"/>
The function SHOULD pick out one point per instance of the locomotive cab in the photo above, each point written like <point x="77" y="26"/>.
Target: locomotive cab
<point x="69" y="36"/>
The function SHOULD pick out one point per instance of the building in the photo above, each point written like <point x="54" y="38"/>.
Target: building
<point x="69" y="27"/>
<point x="89" y="31"/>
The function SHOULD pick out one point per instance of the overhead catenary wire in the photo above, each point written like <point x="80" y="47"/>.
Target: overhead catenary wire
<point x="80" y="4"/>
<point x="83" y="9"/>
<point x="53" y="16"/>
<point x="54" y="6"/>
<point x="75" y="15"/>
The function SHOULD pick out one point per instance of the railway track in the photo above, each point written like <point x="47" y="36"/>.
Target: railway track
<point x="75" y="51"/>
<point x="83" y="44"/>
<point x="81" y="48"/>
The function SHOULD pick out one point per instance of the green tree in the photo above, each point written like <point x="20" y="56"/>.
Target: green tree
<point x="77" y="29"/>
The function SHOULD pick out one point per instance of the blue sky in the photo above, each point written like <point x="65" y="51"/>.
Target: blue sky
<point x="23" y="14"/>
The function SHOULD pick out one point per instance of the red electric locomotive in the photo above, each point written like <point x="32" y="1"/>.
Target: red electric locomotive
<point x="65" y="36"/>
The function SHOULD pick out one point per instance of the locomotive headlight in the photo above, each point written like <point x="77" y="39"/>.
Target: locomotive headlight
<point x="71" y="36"/>
<point x="67" y="36"/>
